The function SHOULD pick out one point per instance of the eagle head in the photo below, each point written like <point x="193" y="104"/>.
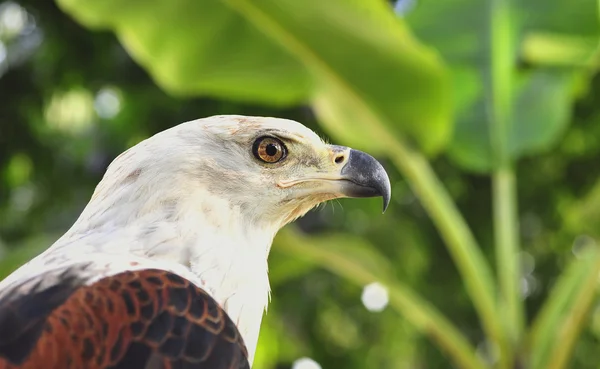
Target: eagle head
<point x="277" y="169"/>
<point x="269" y="171"/>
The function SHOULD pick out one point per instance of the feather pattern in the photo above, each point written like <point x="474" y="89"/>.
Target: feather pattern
<point x="147" y="318"/>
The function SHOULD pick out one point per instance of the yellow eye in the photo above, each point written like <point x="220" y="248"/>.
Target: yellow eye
<point x="269" y="149"/>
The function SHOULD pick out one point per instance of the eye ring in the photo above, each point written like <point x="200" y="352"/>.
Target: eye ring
<point x="269" y="149"/>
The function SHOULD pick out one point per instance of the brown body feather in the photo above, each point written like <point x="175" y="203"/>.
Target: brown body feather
<point x="137" y="319"/>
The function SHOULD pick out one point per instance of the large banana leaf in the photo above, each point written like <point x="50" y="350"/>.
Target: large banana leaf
<point x="353" y="58"/>
<point x="553" y="40"/>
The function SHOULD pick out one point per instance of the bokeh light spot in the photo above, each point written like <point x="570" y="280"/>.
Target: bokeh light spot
<point x="305" y="363"/>
<point x="108" y="102"/>
<point x="582" y="244"/>
<point x="70" y="111"/>
<point x="527" y="263"/>
<point x="375" y="297"/>
<point x="22" y="198"/>
<point x="13" y="19"/>
<point x="3" y="52"/>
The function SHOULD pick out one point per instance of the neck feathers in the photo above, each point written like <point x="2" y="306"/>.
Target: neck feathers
<point x="176" y="216"/>
<point x="209" y="236"/>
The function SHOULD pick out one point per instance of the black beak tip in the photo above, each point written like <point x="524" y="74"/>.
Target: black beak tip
<point x="368" y="177"/>
<point x="387" y="196"/>
<point x="385" y="190"/>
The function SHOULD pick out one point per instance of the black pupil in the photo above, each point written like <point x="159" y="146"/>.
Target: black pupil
<point x="271" y="149"/>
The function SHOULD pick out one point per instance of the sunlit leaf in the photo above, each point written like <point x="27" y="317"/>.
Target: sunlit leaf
<point x="545" y="96"/>
<point x="199" y="47"/>
<point x="560" y="50"/>
<point x="377" y="80"/>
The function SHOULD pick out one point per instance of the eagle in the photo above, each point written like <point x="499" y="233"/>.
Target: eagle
<point x="166" y="267"/>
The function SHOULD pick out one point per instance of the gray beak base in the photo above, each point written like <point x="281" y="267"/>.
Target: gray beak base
<point x="365" y="177"/>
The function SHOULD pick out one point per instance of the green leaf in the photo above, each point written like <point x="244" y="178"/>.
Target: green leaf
<point x="356" y="260"/>
<point x="354" y="59"/>
<point x="544" y="95"/>
<point x="557" y="325"/>
<point x="559" y="50"/>
<point x="542" y="111"/>
<point x="198" y="47"/>
<point x="578" y="17"/>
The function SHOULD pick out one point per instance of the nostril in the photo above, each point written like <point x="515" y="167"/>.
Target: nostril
<point x="339" y="159"/>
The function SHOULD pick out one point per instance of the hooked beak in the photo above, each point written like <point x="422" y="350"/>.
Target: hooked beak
<point x="350" y="173"/>
<point x="364" y="176"/>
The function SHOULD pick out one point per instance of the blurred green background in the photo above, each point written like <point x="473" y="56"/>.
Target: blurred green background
<point x="485" y="113"/>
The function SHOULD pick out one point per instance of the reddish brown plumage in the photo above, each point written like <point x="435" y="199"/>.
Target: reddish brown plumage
<point x="140" y="319"/>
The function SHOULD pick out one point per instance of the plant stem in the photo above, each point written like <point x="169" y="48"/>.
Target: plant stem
<point x="503" y="177"/>
<point x="335" y="254"/>
<point x="572" y="324"/>
<point x="507" y="248"/>
<point x="474" y="269"/>
<point x="546" y="336"/>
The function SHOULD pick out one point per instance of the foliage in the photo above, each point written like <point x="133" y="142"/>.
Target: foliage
<point x="345" y="90"/>
<point x="469" y="102"/>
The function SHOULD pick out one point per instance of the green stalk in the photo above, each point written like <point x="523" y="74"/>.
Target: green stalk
<point x="572" y="324"/>
<point x="503" y="177"/>
<point x="553" y="332"/>
<point x="471" y="263"/>
<point x="360" y="263"/>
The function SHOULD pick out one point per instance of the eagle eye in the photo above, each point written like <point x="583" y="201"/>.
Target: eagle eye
<point x="269" y="149"/>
